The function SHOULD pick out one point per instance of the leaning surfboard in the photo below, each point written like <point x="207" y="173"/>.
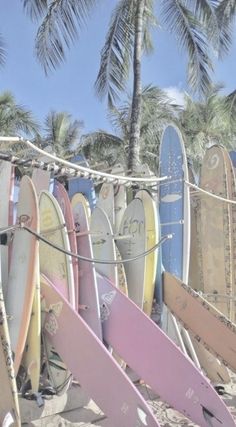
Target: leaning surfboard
<point x="214" y="231"/>
<point x="174" y="205"/>
<point x="103" y="244"/>
<point x="212" y="329"/>
<point x="106" y="202"/>
<point x="9" y="404"/>
<point x="130" y="244"/>
<point x="58" y="268"/>
<point x="92" y="365"/>
<point x="158" y="361"/>
<point x="23" y="270"/>
<point x="62" y="197"/>
<point x="32" y="354"/>
<point x="6" y="213"/>
<point x="151" y="237"/>
<point x="88" y="295"/>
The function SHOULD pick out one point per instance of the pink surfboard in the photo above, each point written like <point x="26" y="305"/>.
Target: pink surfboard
<point x="62" y="197"/>
<point x="92" y="365"/>
<point x="158" y="361"/>
<point x="88" y="295"/>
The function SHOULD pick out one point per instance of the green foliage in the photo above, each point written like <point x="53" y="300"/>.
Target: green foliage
<point x="15" y="119"/>
<point x="61" y="132"/>
<point x="59" y="27"/>
<point x="208" y="122"/>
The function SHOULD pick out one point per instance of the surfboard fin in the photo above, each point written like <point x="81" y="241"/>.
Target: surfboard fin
<point x="208" y="416"/>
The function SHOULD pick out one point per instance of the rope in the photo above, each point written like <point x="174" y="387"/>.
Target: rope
<point x="90" y="172"/>
<point x="222" y="199"/>
<point x="93" y="260"/>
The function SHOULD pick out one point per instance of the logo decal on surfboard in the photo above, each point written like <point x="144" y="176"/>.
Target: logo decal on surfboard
<point x="107" y="299"/>
<point x="56" y="308"/>
<point x="171" y="198"/>
<point x="190" y="394"/>
<point x="51" y="325"/>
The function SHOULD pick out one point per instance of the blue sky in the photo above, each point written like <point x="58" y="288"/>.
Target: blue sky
<point x="70" y="88"/>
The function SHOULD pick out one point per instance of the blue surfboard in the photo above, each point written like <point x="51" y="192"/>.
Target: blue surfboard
<point x="174" y="205"/>
<point x="171" y="201"/>
<point x="82" y="185"/>
<point x="232" y="155"/>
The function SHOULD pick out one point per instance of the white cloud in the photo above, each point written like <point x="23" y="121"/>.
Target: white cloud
<point x="175" y="94"/>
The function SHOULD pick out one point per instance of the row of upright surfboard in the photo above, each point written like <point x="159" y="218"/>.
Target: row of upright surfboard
<point x="83" y="275"/>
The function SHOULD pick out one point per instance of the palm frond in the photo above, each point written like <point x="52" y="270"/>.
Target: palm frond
<point x="2" y="51"/>
<point x="150" y="22"/>
<point x="191" y="35"/>
<point x="15" y="118"/>
<point x="230" y="108"/>
<point x="225" y="12"/>
<point x="205" y="11"/>
<point x="59" y="29"/>
<point x="62" y="132"/>
<point x="117" y="52"/>
<point x="102" y="146"/>
<point x="35" y="8"/>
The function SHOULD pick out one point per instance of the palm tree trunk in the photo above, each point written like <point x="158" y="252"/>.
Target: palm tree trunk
<point x="135" y="121"/>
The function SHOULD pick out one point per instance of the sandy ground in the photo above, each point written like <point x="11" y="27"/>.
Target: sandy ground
<point x="166" y="416"/>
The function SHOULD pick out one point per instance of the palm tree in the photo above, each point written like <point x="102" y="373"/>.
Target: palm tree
<point x="207" y="122"/>
<point x="15" y="119"/>
<point x="61" y="132"/>
<point x="157" y="111"/>
<point x="225" y="12"/>
<point x="193" y="21"/>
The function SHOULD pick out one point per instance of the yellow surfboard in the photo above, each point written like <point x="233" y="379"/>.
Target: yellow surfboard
<point x="151" y="236"/>
<point x="31" y="357"/>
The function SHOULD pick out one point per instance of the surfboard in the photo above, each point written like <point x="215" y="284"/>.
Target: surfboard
<point x="157" y="360"/>
<point x="174" y="208"/>
<point x="133" y="242"/>
<point x="41" y="177"/>
<point x="122" y="279"/>
<point x="58" y="268"/>
<point x="6" y="213"/>
<point x="82" y="185"/>
<point x="9" y="404"/>
<point x="194" y="267"/>
<point x="232" y="207"/>
<point x="120" y="197"/>
<point x="93" y="367"/>
<point x="106" y="202"/>
<point x="231" y="184"/>
<point x="103" y="244"/>
<point x="88" y="295"/>
<point x="151" y="236"/>
<point x="216" y="266"/>
<point x="31" y="360"/>
<point x="23" y="270"/>
<point x="212" y="329"/>
<point x="62" y="197"/>
<point x="216" y="371"/>
<point x="56" y="265"/>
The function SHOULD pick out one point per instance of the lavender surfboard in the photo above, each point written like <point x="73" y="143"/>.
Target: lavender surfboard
<point x="158" y="361"/>
<point x="88" y="295"/>
<point x="62" y="197"/>
<point x="92" y="365"/>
